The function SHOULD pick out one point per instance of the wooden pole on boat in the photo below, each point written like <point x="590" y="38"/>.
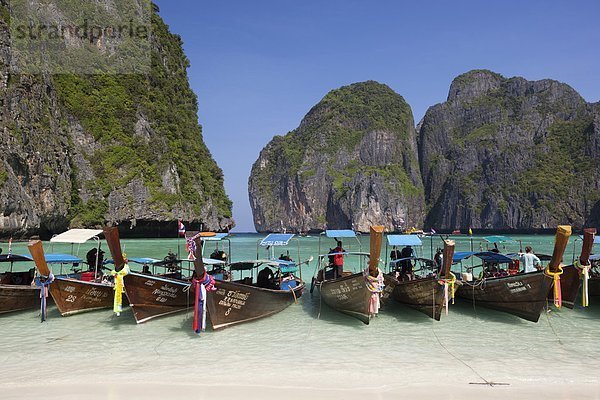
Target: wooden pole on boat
<point x="111" y="233"/>
<point x="448" y="254"/>
<point x="560" y="244"/>
<point x="199" y="267"/>
<point x="586" y="247"/>
<point x="375" y="249"/>
<point x="37" y="252"/>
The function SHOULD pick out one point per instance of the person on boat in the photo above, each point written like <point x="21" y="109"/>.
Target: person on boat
<point x="266" y="279"/>
<point x="338" y="260"/>
<point x="95" y="259"/>
<point x="285" y="257"/>
<point x="406" y="264"/>
<point x="218" y="255"/>
<point x="394" y="254"/>
<point x="530" y="261"/>
<point x="438" y="258"/>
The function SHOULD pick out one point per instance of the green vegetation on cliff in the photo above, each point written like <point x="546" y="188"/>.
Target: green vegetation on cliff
<point x="109" y="106"/>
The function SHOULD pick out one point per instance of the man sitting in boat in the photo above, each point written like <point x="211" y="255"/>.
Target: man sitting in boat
<point x="406" y="268"/>
<point x="530" y="261"/>
<point x="218" y="255"/>
<point x="266" y="279"/>
<point x="285" y="257"/>
<point x="95" y="260"/>
<point x="337" y="260"/>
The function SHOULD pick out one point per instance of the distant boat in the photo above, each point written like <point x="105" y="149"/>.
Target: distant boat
<point x="354" y="293"/>
<point x="17" y="289"/>
<point x="456" y="232"/>
<point x="78" y="292"/>
<point x="425" y="289"/>
<point x="523" y="295"/>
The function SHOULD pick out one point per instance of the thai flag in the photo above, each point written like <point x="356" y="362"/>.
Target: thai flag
<point x="180" y="228"/>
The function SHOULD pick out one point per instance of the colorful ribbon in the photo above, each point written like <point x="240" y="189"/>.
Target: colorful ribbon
<point x="119" y="288"/>
<point x="584" y="273"/>
<point x="448" y="294"/>
<point x="190" y="245"/>
<point x="556" y="277"/>
<point x="201" y="286"/>
<point x="375" y="286"/>
<point x="44" y="294"/>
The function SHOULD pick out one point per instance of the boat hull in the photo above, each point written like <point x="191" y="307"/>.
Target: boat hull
<point x="523" y="295"/>
<point x="73" y="296"/>
<point x="425" y="295"/>
<point x="232" y="303"/>
<point x="18" y="297"/>
<point x="349" y="295"/>
<point x="594" y="289"/>
<point x="570" y="283"/>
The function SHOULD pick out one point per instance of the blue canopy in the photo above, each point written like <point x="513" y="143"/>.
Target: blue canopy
<point x="217" y="237"/>
<point x="340" y="233"/>
<point x="597" y="240"/>
<point x="498" y="239"/>
<point x="595" y="257"/>
<point x="487" y="256"/>
<point x="144" y="260"/>
<point x="14" y="257"/>
<point x="62" y="259"/>
<point x="277" y="239"/>
<point x="404" y="240"/>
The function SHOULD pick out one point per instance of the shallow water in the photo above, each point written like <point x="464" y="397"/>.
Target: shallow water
<point x="306" y="345"/>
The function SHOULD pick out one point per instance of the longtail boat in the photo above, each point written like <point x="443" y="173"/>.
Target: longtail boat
<point x="594" y="281"/>
<point x="427" y="287"/>
<point x="521" y="294"/>
<point x="231" y="302"/>
<point x="575" y="277"/>
<point x="17" y="288"/>
<point x="354" y="293"/>
<point x="79" y="292"/>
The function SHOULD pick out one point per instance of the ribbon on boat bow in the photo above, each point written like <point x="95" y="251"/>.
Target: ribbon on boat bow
<point x="201" y="286"/>
<point x="190" y="245"/>
<point x="43" y="285"/>
<point x="448" y="284"/>
<point x="556" y="277"/>
<point x="375" y="286"/>
<point x="119" y="288"/>
<point x="584" y="273"/>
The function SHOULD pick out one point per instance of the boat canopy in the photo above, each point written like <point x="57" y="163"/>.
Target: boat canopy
<point x="143" y="260"/>
<point x="404" y="240"/>
<point x="340" y="233"/>
<point x="595" y="257"/>
<point x="216" y="238"/>
<point x="499" y="239"/>
<point x="14" y="257"/>
<point x="76" y="236"/>
<point x="597" y="240"/>
<point x="277" y="239"/>
<point x="487" y="256"/>
<point x="283" y="265"/>
<point x="55" y="258"/>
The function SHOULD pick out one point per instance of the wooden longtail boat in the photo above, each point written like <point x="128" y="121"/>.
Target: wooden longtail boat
<point x="355" y="294"/>
<point x="17" y="289"/>
<point x="425" y="289"/>
<point x="594" y="281"/>
<point x="233" y="302"/>
<point x="73" y="294"/>
<point x="523" y="295"/>
<point x="571" y="278"/>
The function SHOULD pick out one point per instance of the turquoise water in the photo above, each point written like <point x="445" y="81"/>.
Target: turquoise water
<point x="306" y="345"/>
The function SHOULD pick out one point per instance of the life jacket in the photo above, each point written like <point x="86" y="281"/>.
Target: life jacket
<point x="513" y="267"/>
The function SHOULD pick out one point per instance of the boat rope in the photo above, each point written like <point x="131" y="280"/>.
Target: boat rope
<point x="375" y="286"/>
<point x="201" y="287"/>
<point x="119" y="287"/>
<point x="449" y="286"/>
<point x="44" y="294"/>
<point x="556" y="277"/>
<point x="584" y="273"/>
<point x="294" y="294"/>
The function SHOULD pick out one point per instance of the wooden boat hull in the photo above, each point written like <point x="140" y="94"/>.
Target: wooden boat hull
<point x="74" y="296"/>
<point x="18" y="297"/>
<point x="425" y="295"/>
<point x="349" y="295"/>
<point x="523" y="295"/>
<point x="570" y="284"/>
<point x="594" y="290"/>
<point x="151" y="296"/>
<point x="232" y="303"/>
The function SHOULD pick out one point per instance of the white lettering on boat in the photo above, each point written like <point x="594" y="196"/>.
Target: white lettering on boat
<point x="69" y="289"/>
<point x="233" y="299"/>
<point x="164" y="292"/>
<point x="149" y="283"/>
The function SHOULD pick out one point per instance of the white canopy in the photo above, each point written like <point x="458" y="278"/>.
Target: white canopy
<point x="76" y="236"/>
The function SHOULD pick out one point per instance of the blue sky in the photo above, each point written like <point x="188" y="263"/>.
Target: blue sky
<point x="259" y="66"/>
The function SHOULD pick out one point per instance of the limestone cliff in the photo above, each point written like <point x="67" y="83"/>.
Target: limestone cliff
<point x="510" y="154"/>
<point x="82" y="150"/>
<point x="352" y="162"/>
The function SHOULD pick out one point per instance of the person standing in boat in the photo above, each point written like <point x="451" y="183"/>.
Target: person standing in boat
<point x="406" y="265"/>
<point x="530" y="261"/>
<point x="338" y="260"/>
